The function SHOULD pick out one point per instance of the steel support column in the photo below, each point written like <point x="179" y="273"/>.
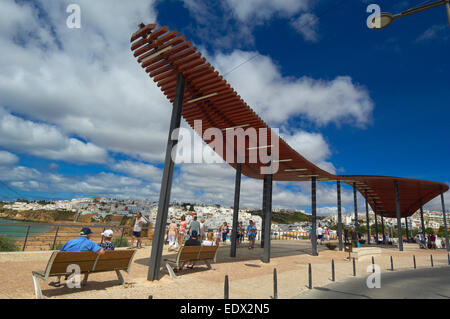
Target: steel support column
<point x="355" y="203"/>
<point x="382" y="229"/>
<point x="422" y="222"/>
<point x="399" y="221"/>
<point x="268" y="216"/>
<point x="367" y="218"/>
<point x="407" y="229"/>
<point x="166" y="183"/>
<point x="263" y="215"/>
<point x="445" y="221"/>
<point x="237" y="193"/>
<point x="313" y="215"/>
<point x="376" y="222"/>
<point x="339" y="202"/>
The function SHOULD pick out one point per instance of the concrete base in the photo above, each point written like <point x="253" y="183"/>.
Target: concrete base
<point x="364" y="251"/>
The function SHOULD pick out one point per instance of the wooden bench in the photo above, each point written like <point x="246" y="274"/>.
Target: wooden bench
<point x="193" y="253"/>
<point x="89" y="262"/>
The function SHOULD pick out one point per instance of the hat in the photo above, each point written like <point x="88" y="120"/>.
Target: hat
<point x="108" y="233"/>
<point x="194" y="233"/>
<point x="85" y="231"/>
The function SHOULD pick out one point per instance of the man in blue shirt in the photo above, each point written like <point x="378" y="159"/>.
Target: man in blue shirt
<point x="82" y="243"/>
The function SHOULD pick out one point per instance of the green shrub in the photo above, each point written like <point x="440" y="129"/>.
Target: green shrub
<point x="120" y="242"/>
<point x="331" y="246"/>
<point x="8" y="244"/>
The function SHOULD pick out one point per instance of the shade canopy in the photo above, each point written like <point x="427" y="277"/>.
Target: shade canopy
<point x="208" y="97"/>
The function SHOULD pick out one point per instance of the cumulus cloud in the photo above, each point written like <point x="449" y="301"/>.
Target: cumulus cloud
<point x="45" y="141"/>
<point x="278" y="99"/>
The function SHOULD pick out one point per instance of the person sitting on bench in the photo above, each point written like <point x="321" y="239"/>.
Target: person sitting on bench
<point x="82" y="243"/>
<point x="193" y="241"/>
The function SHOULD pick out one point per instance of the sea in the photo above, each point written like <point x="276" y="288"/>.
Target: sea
<point x="19" y="232"/>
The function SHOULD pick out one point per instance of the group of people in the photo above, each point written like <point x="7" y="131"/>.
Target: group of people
<point x="428" y="241"/>
<point x="176" y="234"/>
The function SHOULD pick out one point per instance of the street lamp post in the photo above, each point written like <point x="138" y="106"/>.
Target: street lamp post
<point x="386" y="18"/>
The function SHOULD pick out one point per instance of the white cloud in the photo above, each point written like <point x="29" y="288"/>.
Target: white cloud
<point x="278" y="99"/>
<point x="138" y="169"/>
<point x="306" y="25"/>
<point x="264" y="10"/>
<point x="433" y="32"/>
<point x="45" y="141"/>
<point x="7" y="158"/>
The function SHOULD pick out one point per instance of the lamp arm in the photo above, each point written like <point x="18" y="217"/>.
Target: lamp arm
<point x="423" y="8"/>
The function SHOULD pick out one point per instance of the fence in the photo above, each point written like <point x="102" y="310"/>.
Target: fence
<point x="36" y="237"/>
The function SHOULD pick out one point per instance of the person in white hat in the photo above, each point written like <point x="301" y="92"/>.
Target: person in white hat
<point x="107" y="244"/>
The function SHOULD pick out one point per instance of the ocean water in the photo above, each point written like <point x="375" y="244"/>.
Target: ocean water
<point x="19" y="232"/>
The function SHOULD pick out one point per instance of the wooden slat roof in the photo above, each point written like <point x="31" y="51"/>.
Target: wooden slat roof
<point x="163" y="54"/>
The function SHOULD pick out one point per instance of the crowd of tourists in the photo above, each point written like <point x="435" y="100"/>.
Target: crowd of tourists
<point x="179" y="233"/>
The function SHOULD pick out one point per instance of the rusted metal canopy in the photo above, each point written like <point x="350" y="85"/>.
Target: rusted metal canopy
<point x="208" y="97"/>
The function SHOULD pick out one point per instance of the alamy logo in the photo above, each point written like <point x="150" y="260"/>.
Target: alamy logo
<point x="374" y="280"/>
<point x="74" y="19"/>
<point x="74" y="280"/>
<point x="374" y="20"/>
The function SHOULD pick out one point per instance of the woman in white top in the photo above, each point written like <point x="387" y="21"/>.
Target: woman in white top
<point x="202" y="229"/>
<point x="209" y="241"/>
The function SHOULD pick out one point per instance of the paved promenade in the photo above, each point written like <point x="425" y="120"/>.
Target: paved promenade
<point x="249" y="277"/>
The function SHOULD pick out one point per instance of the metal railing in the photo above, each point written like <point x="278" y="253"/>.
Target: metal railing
<point x="36" y="236"/>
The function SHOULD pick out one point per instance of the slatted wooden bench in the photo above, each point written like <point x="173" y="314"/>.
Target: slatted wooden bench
<point x="190" y="254"/>
<point x="89" y="262"/>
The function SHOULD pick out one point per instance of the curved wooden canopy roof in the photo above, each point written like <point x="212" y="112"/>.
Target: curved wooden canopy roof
<point x="208" y="97"/>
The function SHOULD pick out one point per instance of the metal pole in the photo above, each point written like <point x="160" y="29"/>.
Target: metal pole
<point x="392" y="264"/>
<point x="263" y="215"/>
<point x="332" y="270"/>
<point x="309" y="276"/>
<point x="354" y="267"/>
<point x="407" y="229"/>
<point x="382" y="229"/>
<point x="54" y="240"/>
<point x="414" y="260"/>
<point x="226" y="289"/>
<point x="444" y="215"/>
<point x="339" y="202"/>
<point x="268" y="216"/>
<point x="399" y="222"/>
<point x="423" y="225"/>
<point x="237" y="191"/>
<point x="355" y="204"/>
<point x="26" y="238"/>
<point x="313" y="216"/>
<point x="275" y="288"/>
<point x="367" y="219"/>
<point x="376" y="222"/>
<point x="431" y="259"/>
<point x="166" y="183"/>
<point x="373" y="264"/>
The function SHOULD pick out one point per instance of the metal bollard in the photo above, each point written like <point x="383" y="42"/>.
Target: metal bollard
<point x="309" y="276"/>
<point x="373" y="264"/>
<point x="414" y="260"/>
<point x="392" y="264"/>
<point x="354" y="267"/>
<point x="431" y="259"/>
<point x="275" y="288"/>
<point x="332" y="270"/>
<point x="448" y="257"/>
<point x="226" y="289"/>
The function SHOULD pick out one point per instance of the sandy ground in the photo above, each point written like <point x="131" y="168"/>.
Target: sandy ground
<point x="254" y="280"/>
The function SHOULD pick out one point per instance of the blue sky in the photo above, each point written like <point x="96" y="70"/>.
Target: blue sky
<point x="79" y="117"/>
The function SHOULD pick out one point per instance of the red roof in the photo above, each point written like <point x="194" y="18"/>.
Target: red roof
<point x="164" y="54"/>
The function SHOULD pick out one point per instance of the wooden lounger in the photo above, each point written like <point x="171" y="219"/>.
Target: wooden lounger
<point x="89" y="262"/>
